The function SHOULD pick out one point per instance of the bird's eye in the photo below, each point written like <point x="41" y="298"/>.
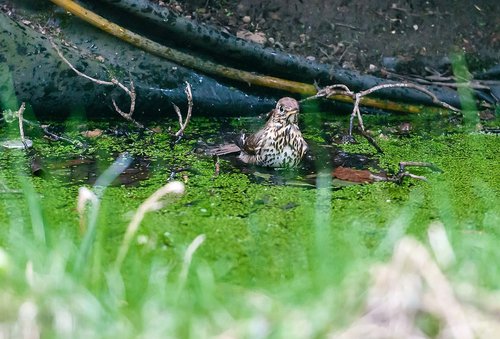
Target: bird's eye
<point x="281" y="108"/>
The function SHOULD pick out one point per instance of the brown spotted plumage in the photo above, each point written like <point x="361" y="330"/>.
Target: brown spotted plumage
<point x="279" y="143"/>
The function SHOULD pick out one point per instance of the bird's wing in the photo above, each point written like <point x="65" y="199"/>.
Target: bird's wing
<point x="223" y="149"/>
<point x="251" y="143"/>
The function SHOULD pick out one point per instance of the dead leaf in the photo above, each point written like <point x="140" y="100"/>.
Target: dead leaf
<point x="257" y="37"/>
<point x="92" y="134"/>
<point x="353" y="175"/>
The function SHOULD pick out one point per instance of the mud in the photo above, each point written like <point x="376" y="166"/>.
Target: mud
<point x="362" y="35"/>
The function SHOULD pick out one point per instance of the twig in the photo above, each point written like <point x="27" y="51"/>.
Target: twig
<point x="52" y="135"/>
<point x="402" y="173"/>
<point x="113" y="82"/>
<point x="404" y="164"/>
<point x="422" y="89"/>
<point x="441" y="81"/>
<point x="371" y="141"/>
<point x="340" y="24"/>
<point x="340" y="89"/>
<point x="356" y="112"/>
<point x="97" y="81"/>
<point x="331" y="90"/>
<point x="343" y="53"/>
<point x="131" y="93"/>
<point x="20" y="112"/>
<point x="183" y="123"/>
<point x="414" y="176"/>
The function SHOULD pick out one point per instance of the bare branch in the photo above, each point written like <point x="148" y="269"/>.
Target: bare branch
<point x="414" y="86"/>
<point x="371" y="141"/>
<point x="184" y="122"/>
<point x="179" y="115"/>
<point x="114" y="82"/>
<point x="131" y="93"/>
<point x="403" y="173"/>
<point x="340" y="89"/>
<point x="20" y="112"/>
<point x="97" y="81"/>
<point x="404" y="164"/>
<point x="414" y="176"/>
<point x="444" y="81"/>
<point x="51" y="135"/>
<point x="329" y="91"/>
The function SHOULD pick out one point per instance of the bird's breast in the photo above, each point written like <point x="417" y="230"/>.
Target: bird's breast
<point x="281" y="146"/>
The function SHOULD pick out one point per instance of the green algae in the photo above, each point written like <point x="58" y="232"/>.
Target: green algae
<point x="252" y="226"/>
<point x="286" y="240"/>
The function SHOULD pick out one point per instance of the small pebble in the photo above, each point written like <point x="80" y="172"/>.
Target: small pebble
<point x="257" y="37"/>
<point x="246" y="19"/>
<point x="275" y="16"/>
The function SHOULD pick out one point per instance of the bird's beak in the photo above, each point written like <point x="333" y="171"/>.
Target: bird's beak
<point x="292" y="112"/>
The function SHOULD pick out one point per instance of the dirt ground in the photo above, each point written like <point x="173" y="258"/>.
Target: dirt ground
<point x="363" y="35"/>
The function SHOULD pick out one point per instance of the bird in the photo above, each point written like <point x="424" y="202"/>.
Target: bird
<point x="279" y="144"/>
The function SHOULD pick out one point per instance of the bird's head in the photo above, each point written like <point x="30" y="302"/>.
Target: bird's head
<point x="286" y="111"/>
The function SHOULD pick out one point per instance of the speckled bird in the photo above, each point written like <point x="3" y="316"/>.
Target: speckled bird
<point x="279" y="143"/>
